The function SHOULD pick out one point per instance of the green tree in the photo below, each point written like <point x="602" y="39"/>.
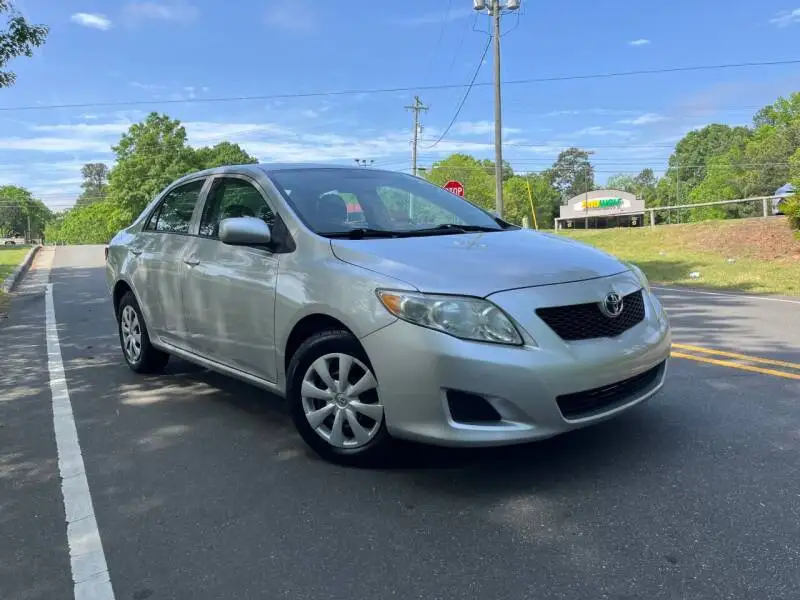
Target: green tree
<point x="646" y="184"/>
<point x="546" y="200"/>
<point x="723" y="181"/>
<point x="687" y="165"/>
<point x="764" y="166"/>
<point x="149" y="156"/>
<point x="623" y="182"/>
<point x="784" y="113"/>
<point x="18" y="39"/>
<point x="93" y="223"/>
<point x="21" y="213"/>
<point x="477" y="177"/>
<point x="224" y="153"/>
<point x="95" y="183"/>
<point x="154" y="153"/>
<point x="572" y="173"/>
<point x="516" y="204"/>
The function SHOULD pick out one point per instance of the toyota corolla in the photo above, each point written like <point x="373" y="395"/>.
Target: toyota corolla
<point x="384" y="307"/>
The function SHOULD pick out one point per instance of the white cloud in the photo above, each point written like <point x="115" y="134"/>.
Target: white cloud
<point x="287" y="16"/>
<point x="438" y="17"/>
<point x="149" y="87"/>
<point x="786" y="18"/>
<point x="644" y="119"/>
<point x="91" y="20"/>
<point x="480" y="128"/>
<point x="54" y="144"/>
<point x="85" y="129"/>
<point x="180" y="11"/>
<point x="639" y="42"/>
<point x="201" y="133"/>
<point x="582" y="111"/>
<point x="596" y="130"/>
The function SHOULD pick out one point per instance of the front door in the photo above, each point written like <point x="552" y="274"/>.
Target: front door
<point x="229" y="291"/>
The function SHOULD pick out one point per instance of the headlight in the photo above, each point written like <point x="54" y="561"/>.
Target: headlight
<point x="460" y="316"/>
<point x="639" y="275"/>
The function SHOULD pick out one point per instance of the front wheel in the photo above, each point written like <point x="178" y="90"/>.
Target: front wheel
<point x="140" y="354"/>
<point x="334" y="400"/>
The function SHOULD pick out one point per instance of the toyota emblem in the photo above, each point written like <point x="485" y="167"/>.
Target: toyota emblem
<point x="611" y="306"/>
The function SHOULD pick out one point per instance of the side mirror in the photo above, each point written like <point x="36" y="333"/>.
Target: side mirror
<point x="244" y="231"/>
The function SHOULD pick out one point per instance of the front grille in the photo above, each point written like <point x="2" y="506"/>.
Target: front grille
<point x="603" y="399"/>
<point x="586" y="321"/>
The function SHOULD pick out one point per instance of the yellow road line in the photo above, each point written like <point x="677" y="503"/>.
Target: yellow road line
<point x="733" y="365"/>
<point x="753" y="359"/>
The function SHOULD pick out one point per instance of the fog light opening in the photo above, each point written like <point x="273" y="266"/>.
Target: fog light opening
<point x="471" y="409"/>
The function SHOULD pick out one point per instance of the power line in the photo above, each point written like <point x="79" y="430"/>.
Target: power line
<point x="464" y="98"/>
<point x="458" y="50"/>
<point x="439" y="39"/>
<point x="406" y="89"/>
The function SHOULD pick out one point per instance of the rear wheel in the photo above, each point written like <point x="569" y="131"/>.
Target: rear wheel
<point x="139" y="353"/>
<point x="334" y="400"/>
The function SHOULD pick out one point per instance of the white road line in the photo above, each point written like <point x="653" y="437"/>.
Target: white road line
<point x="87" y="560"/>
<point x="743" y="296"/>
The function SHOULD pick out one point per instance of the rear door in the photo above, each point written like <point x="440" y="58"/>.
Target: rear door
<point x="229" y="291"/>
<point x="161" y="247"/>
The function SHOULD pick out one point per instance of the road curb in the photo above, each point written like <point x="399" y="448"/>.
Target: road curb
<point x="11" y="280"/>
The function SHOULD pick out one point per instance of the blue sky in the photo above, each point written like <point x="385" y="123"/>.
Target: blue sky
<point x="115" y="51"/>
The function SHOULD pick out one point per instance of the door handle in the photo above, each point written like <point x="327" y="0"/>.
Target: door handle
<point x="136" y="252"/>
<point x="192" y="262"/>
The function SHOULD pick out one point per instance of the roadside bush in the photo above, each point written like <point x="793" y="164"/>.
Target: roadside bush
<point x="791" y="208"/>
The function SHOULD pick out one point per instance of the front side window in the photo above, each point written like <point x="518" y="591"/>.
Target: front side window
<point x="231" y="198"/>
<point x="339" y="200"/>
<point x="174" y="214"/>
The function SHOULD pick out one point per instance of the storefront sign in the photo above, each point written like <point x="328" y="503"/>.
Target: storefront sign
<point x="599" y="203"/>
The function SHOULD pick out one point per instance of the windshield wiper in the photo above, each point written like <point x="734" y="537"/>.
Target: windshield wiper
<point x="452" y="228"/>
<point x="362" y="232"/>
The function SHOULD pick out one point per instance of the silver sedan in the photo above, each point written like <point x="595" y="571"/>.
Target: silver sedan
<point x="382" y="306"/>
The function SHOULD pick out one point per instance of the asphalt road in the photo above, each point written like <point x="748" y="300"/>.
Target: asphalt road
<point x="202" y="489"/>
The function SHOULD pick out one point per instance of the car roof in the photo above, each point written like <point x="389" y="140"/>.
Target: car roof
<point x="269" y="168"/>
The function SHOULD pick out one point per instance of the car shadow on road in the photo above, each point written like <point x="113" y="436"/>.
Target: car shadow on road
<point x="93" y="363"/>
<point x="218" y="467"/>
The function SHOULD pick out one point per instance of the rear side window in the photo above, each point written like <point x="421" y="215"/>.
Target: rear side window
<point x="174" y="215"/>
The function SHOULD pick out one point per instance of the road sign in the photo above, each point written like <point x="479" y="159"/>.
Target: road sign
<point x="455" y="187"/>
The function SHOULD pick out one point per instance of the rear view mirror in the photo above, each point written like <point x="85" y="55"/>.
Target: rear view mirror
<point x="244" y="231"/>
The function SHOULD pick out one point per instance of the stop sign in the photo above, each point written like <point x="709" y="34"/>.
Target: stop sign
<point x="455" y="187"/>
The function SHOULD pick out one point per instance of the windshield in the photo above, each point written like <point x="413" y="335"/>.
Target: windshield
<point x="341" y="201"/>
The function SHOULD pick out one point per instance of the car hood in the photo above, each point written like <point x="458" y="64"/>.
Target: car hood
<point x="479" y="264"/>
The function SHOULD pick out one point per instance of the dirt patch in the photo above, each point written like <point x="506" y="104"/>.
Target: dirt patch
<point x="767" y="239"/>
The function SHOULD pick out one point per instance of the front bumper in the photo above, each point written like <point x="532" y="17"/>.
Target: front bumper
<point x="416" y="367"/>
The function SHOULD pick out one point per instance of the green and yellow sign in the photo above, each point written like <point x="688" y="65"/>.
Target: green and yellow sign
<point x="600" y="203"/>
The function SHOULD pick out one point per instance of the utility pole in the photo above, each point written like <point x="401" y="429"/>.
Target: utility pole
<point x="363" y="162"/>
<point x="495" y="10"/>
<point x="498" y="115"/>
<point x="415" y="108"/>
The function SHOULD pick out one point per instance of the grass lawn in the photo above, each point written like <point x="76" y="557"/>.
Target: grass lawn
<point x="10" y="257"/>
<point x="750" y="255"/>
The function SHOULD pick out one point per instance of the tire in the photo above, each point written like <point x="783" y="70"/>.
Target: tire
<point x="348" y="428"/>
<point x="148" y="359"/>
